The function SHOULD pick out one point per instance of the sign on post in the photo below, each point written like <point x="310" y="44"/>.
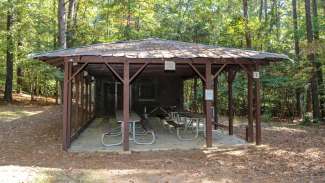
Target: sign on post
<point x="170" y="66"/>
<point x="208" y="94"/>
<point x="256" y="75"/>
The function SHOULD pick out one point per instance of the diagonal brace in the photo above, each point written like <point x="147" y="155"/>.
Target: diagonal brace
<point x="114" y="72"/>
<point x="197" y="72"/>
<point x="138" y="72"/>
<point x="219" y="71"/>
<point x="78" y="71"/>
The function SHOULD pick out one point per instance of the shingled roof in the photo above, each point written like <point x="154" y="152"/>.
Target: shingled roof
<point x="159" y="48"/>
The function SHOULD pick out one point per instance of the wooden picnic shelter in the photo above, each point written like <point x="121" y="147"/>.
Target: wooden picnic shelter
<point x="85" y="67"/>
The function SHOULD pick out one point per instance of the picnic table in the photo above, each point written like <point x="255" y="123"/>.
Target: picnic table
<point x="134" y="119"/>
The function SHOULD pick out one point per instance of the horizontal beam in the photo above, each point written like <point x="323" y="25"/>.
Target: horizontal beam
<point x="120" y="60"/>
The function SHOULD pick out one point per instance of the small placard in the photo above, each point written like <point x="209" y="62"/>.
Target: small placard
<point x="170" y="66"/>
<point x="208" y="94"/>
<point x="256" y="75"/>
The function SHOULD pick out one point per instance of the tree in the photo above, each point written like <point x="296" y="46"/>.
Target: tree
<point x="10" y="53"/>
<point x="247" y="31"/>
<point x="311" y="58"/>
<point x="72" y="21"/>
<point x="62" y="24"/>
<point x="319" y="73"/>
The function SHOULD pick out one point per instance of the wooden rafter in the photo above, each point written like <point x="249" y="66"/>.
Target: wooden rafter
<point x="138" y="72"/>
<point x="219" y="71"/>
<point x="78" y="71"/>
<point x="197" y="71"/>
<point x="114" y="72"/>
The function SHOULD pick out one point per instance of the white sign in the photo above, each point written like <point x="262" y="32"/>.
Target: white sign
<point x="208" y="94"/>
<point x="256" y="75"/>
<point x="170" y="66"/>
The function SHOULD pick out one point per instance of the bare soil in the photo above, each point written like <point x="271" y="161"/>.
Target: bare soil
<point x="31" y="151"/>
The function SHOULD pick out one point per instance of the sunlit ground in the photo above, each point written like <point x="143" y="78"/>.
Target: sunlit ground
<point x="10" y="113"/>
<point x="17" y="174"/>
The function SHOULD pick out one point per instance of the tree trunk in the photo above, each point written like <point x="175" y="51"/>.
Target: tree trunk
<point x="265" y="10"/>
<point x="319" y="73"/>
<point x="72" y="21"/>
<point x="260" y="14"/>
<point x="10" y="54"/>
<point x="62" y="24"/>
<point x="247" y="31"/>
<point x="297" y="51"/>
<point x="311" y="58"/>
<point x="295" y="29"/>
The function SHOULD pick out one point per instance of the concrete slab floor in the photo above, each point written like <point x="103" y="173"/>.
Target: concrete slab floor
<point x="90" y="139"/>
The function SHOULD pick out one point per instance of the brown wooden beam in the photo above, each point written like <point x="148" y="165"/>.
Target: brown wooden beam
<point x="111" y="59"/>
<point x="78" y="71"/>
<point x="258" y="109"/>
<point x="215" y="95"/>
<point x="89" y="104"/>
<point x="67" y="105"/>
<point x="87" y="99"/>
<point x="138" y="72"/>
<point x="114" y="72"/>
<point x="126" y="104"/>
<point x="231" y="77"/>
<point x="77" y="100"/>
<point x="208" y="105"/>
<point x="250" y="130"/>
<point x="197" y="71"/>
<point x="82" y="99"/>
<point x="219" y="71"/>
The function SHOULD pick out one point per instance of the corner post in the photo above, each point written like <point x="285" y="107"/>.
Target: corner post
<point x="231" y="77"/>
<point x="126" y="103"/>
<point x="250" y="132"/>
<point x="258" y="108"/>
<point x="66" y="105"/>
<point x="208" y="104"/>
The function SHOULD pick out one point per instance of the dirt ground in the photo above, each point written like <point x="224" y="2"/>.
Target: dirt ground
<point x="30" y="148"/>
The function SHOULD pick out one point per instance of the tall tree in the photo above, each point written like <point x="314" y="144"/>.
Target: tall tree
<point x="62" y="24"/>
<point x="246" y="27"/>
<point x="71" y="21"/>
<point x="319" y="73"/>
<point x="295" y="29"/>
<point x="10" y="53"/>
<point x="297" y="50"/>
<point x="311" y="58"/>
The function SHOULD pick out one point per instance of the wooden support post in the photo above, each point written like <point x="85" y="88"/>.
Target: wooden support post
<point x="86" y="97"/>
<point x="215" y="92"/>
<point x="82" y="101"/>
<point x="258" y="109"/>
<point x="195" y="95"/>
<point x="208" y="104"/>
<point x="231" y="77"/>
<point x="77" y="101"/>
<point x="90" y="96"/>
<point x="126" y="112"/>
<point x="69" y="104"/>
<point x="66" y="105"/>
<point x="250" y="129"/>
